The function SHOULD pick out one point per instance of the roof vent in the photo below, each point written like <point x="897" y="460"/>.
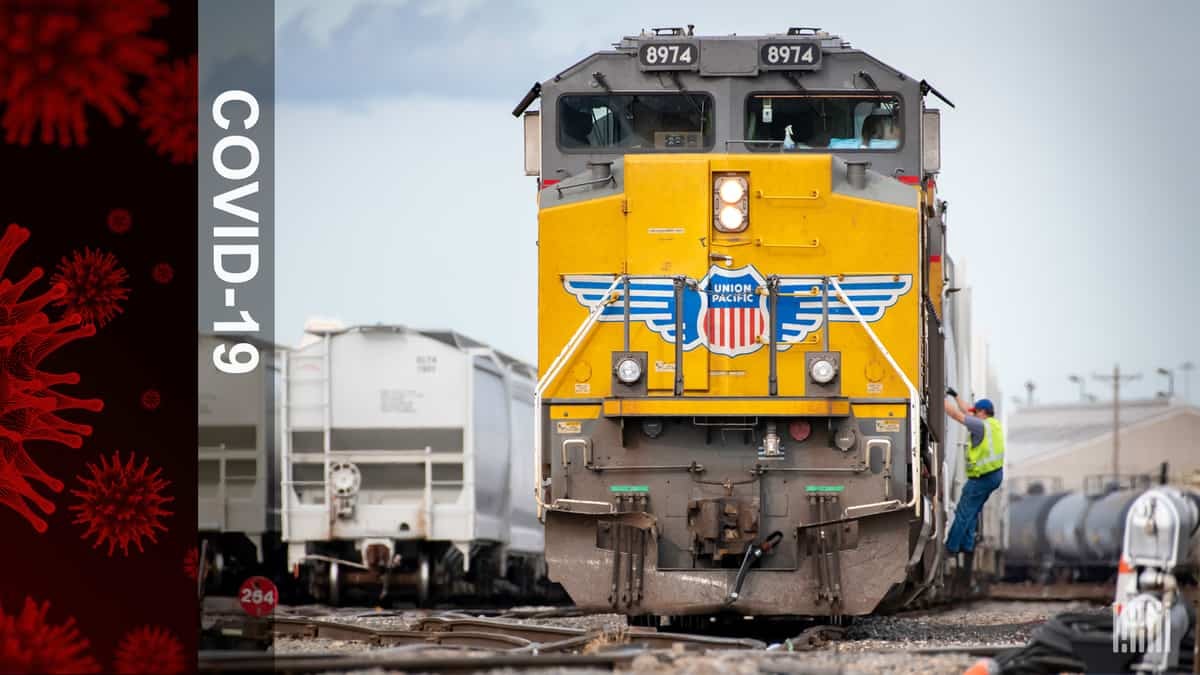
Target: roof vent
<point x="803" y="30"/>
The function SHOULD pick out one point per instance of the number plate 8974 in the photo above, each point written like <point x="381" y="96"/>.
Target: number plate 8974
<point x="790" y="55"/>
<point x="669" y="56"/>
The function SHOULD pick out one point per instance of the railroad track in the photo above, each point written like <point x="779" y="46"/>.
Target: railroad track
<point x="478" y="643"/>
<point x="1094" y="592"/>
<point x="322" y="639"/>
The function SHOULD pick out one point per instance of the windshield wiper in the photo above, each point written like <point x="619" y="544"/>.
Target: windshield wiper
<point x="927" y="88"/>
<point x="534" y="92"/>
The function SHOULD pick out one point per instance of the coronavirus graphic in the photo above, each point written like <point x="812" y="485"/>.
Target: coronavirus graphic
<point x="163" y="273"/>
<point x="151" y="399"/>
<point x="149" y="650"/>
<point x="121" y="504"/>
<point x="168" y="110"/>
<point x="94" y="283"/>
<point x="29" y="643"/>
<point x="59" y="59"/>
<point x="30" y="404"/>
<point x="119" y="221"/>
<point x="191" y="563"/>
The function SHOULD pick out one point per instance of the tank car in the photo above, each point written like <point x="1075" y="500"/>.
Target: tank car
<point x="740" y="326"/>
<point x="1027" y="554"/>
<point x="397" y="480"/>
<point x="1104" y="527"/>
<point x="1083" y="530"/>
<point x="238" y="507"/>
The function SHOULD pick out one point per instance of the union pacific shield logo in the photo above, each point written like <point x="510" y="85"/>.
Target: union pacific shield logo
<point x="727" y="310"/>
<point x="733" y="315"/>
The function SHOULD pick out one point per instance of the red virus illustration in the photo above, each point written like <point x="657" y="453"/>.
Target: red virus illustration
<point x="168" y="110"/>
<point x="119" y="221"/>
<point x="163" y="273"/>
<point x="121" y="504"/>
<point x="191" y="563"/>
<point x="58" y="59"/>
<point x="94" y="286"/>
<point x="30" y="406"/>
<point x="30" y="644"/>
<point x="151" y="399"/>
<point x="149" y="650"/>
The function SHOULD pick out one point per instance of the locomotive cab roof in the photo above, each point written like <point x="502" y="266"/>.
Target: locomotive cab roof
<point x="749" y="93"/>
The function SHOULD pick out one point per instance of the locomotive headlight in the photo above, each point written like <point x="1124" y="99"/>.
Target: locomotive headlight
<point x="629" y="371"/>
<point x="730" y="218"/>
<point x="822" y="371"/>
<point x="731" y="190"/>
<point x="730" y="203"/>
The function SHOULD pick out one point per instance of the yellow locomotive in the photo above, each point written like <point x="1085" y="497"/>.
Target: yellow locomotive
<point x="739" y="326"/>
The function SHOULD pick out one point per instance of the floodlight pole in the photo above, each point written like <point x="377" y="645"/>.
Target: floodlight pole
<point x="1116" y="379"/>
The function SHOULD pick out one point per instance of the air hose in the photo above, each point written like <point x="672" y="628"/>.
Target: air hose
<point x="753" y="555"/>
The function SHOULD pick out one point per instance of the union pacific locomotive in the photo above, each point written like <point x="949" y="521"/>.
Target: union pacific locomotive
<point x="742" y="327"/>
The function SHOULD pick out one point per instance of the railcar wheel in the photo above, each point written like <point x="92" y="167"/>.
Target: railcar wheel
<point x="423" y="580"/>
<point x="335" y="583"/>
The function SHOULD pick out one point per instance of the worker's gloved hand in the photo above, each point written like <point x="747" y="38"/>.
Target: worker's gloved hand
<point x="950" y="392"/>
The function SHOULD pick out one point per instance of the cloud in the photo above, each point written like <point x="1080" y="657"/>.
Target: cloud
<point x="384" y="48"/>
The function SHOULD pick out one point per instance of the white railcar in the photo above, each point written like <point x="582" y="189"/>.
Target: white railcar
<point x="405" y="465"/>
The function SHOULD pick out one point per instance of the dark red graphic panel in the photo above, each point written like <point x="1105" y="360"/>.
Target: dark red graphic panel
<point x="97" y="336"/>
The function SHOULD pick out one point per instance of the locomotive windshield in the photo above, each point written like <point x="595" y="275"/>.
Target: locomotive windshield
<point x="809" y="121"/>
<point x="635" y="122"/>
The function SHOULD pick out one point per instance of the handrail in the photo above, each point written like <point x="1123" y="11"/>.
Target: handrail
<point x="913" y="418"/>
<point x="551" y="375"/>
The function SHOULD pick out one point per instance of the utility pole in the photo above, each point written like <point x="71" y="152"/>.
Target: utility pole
<point x="1187" y="369"/>
<point x="1116" y="379"/>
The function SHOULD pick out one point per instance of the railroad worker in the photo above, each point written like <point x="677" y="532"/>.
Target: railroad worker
<point x="985" y="470"/>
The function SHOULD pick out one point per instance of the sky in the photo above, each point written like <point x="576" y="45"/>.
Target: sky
<point x="1069" y="164"/>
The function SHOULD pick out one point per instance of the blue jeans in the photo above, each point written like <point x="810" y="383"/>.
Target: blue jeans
<point x="966" y="515"/>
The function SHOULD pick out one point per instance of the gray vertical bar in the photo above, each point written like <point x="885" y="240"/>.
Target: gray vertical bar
<point x="237" y="175"/>
<point x="236" y="237"/>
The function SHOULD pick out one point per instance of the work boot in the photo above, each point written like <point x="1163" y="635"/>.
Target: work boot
<point x="968" y="568"/>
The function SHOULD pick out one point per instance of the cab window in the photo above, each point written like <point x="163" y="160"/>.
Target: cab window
<point x="635" y="122"/>
<point x="844" y="122"/>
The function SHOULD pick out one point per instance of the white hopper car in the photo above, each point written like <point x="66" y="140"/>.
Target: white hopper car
<point x="406" y="467"/>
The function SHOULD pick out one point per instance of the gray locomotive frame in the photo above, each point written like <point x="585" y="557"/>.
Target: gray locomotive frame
<point x="655" y="518"/>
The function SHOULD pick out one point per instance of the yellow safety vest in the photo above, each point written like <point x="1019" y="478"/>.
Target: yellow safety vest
<point x="988" y="455"/>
